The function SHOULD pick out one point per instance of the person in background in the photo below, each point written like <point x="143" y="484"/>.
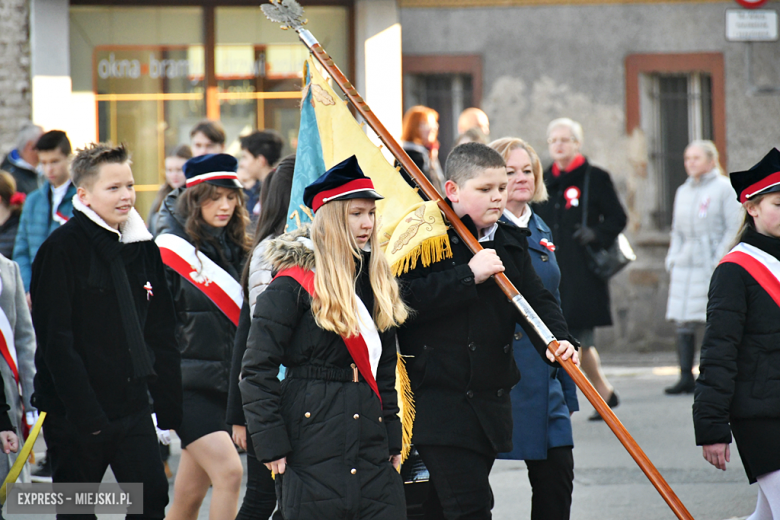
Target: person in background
<point x="474" y="118"/>
<point x="18" y="370"/>
<point x="584" y="296"/>
<point x="22" y="160"/>
<point x="174" y="178"/>
<point x="48" y="207"/>
<point x="260" y="498"/>
<point x="420" y="135"/>
<point x="545" y="397"/>
<point x="737" y="392"/>
<point x="9" y="442"/>
<point x="260" y="151"/>
<point x="705" y="220"/>
<point x="203" y="225"/>
<point x="207" y="137"/>
<point x="472" y="135"/>
<point x="11" y="203"/>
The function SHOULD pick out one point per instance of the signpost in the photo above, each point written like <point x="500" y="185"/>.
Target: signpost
<point x="755" y="25"/>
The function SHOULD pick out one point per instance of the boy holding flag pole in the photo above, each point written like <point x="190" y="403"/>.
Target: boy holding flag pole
<point x="290" y="15"/>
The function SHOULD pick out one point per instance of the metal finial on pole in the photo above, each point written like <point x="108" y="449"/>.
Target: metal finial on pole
<point x="289" y="13"/>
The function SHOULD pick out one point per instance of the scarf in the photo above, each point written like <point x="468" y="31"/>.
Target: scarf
<point x="112" y="248"/>
<point x="575" y="163"/>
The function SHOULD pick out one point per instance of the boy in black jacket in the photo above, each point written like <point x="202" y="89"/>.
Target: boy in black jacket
<point x="104" y="322"/>
<point x="461" y="337"/>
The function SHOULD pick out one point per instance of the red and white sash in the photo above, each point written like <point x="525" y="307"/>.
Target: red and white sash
<point x="366" y="347"/>
<point x="762" y="266"/>
<point x="203" y="273"/>
<point x="7" y="344"/>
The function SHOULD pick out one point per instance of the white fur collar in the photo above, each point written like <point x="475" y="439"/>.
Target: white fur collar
<point x="132" y="230"/>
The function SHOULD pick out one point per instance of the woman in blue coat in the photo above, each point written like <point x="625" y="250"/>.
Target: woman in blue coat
<point x="546" y="397"/>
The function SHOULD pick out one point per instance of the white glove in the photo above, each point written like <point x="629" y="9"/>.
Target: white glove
<point x="31" y="417"/>
<point x="163" y="436"/>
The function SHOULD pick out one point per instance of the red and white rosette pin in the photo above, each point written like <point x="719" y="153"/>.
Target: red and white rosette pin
<point x="549" y="245"/>
<point x="572" y="196"/>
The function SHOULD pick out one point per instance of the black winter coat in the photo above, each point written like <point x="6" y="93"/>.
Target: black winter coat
<point x="739" y="371"/>
<point x="335" y="434"/>
<point x="27" y="181"/>
<point x="584" y="296"/>
<point x="461" y="339"/>
<point x="205" y="335"/>
<point x="83" y="362"/>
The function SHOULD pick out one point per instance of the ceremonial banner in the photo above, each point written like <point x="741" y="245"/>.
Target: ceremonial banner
<point x="409" y="228"/>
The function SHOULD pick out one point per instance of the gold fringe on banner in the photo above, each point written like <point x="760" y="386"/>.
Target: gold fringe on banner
<point x="406" y="404"/>
<point x="429" y="251"/>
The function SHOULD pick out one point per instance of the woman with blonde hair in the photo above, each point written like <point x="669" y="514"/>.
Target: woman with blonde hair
<point x="706" y="217"/>
<point x="545" y="397"/>
<point x="330" y="431"/>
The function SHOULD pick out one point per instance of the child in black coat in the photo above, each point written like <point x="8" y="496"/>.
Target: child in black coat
<point x="104" y="323"/>
<point x="460" y="337"/>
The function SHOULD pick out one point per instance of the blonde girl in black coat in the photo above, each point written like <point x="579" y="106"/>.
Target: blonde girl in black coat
<point x="330" y="431"/>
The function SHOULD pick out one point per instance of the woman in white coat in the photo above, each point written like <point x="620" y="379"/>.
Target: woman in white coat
<point x="17" y="324"/>
<point x="705" y="221"/>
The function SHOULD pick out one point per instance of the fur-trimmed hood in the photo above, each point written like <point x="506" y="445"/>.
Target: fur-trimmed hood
<point x="290" y="250"/>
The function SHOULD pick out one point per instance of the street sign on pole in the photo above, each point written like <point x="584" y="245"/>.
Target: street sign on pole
<point x="756" y="25"/>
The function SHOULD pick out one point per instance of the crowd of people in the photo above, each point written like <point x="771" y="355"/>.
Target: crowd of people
<point x="210" y="320"/>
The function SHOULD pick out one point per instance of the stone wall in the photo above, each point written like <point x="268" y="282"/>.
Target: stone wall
<point x="544" y="62"/>
<point x="15" y="100"/>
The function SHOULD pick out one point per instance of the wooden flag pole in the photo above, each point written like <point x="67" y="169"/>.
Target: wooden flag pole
<point x="290" y="14"/>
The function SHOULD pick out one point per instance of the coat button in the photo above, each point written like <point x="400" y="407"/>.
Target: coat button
<point x="353" y="471"/>
<point x="500" y="392"/>
<point x="455" y="240"/>
<point x="518" y="336"/>
<point x="472" y="346"/>
<point x="380" y="419"/>
<point x="544" y="258"/>
<point x="307" y="414"/>
<point x="470" y="394"/>
<point x="356" y="417"/>
<point x="506" y="349"/>
<point x="468" y="279"/>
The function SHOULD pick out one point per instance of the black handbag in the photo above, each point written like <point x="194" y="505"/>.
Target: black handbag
<point x="605" y="263"/>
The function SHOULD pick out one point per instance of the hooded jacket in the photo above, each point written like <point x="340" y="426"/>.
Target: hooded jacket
<point x="706" y="220"/>
<point x="205" y="335"/>
<point x="336" y="435"/>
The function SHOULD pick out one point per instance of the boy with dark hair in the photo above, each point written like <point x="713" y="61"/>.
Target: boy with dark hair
<point x="207" y="137"/>
<point x="260" y="151"/>
<point x="48" y="207"/>
<point x="104" y="321"/>
<point x="460" y="337"/>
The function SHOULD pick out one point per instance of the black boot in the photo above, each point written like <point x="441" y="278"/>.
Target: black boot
<point x="686" y="347"/>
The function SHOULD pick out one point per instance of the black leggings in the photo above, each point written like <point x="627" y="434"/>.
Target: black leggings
<point x="260" y="498"/>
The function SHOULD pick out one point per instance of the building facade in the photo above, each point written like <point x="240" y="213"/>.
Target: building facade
<point x="643" y="77"/>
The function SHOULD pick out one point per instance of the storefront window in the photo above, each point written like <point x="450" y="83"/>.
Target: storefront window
<point x="146" y="69"/>
<point x="145" y="66"/>
<point x="258" y="67"/>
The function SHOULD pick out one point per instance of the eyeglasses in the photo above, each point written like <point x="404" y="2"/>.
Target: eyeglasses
<point x="562" y="140"/>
